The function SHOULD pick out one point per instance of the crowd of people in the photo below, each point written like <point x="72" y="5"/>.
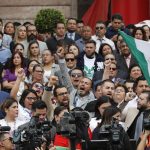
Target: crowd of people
<point x="74" y="69"/>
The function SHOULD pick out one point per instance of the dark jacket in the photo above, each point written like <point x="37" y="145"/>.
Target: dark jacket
<point x="123" y="144"/>
<point x="52" y="43"/>
<point x="111" y="32"/>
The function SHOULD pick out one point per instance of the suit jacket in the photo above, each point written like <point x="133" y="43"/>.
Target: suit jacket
<point x="76" y="37"/>
<point x="121" y="62"/>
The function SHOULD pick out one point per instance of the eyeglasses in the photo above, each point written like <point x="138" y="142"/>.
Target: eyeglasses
<point x="62" y="94"/>
<point x="76" y="75"/>
<point x="99" y="28"/>
<point x="67" y="59"/>
<point x="110" y="59"/>
<point x="10" y="139"/>
<point x="113" y="69"/>
<point x="39" y="86"/>
<point x="31" y="98"/>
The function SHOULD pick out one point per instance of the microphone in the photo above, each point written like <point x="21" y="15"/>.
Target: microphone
<point x="4" y="128"/>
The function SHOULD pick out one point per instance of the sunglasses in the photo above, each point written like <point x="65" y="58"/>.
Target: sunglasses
<point x="76" y="75"/>
<point x="113" y="69"/>
<point x="71" y="59"/>
<point x="39" y="86"/>
<point x="99" y="28"/>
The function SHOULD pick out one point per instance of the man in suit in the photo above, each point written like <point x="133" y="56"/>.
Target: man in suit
<point x="126" y="60"/>
<point x="59" y="36"/>
<point x="71" y="26"/>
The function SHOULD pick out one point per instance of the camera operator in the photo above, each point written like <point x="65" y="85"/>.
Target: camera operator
<point x="108" y="127"/>
<point x="73" y="128"/>
<point x="6" y="141"/>
<point x="39" y="111"/>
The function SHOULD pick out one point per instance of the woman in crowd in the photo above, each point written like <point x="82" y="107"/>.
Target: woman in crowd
<point x="20" y="37"/>
<point x="135" y="72"/>
<point x="110" y="114"/>
<point x="49" y="66"/>
<point x="101" y="104"/>
<point x="9" y="76"/>
<point x="105" y="49"/>
<point x="28" y="97"/>
<point x="10" y="108"/>
<point x="58" y="114"/>
<point x="37" y="73"/>
<point x="9" y="29"/>
<point x="31" y="64"/>
<point x="74" y="49"/>
<point x="139" y="33"/>
<point x="34" y="51"/>
<point x="18" y="47"/>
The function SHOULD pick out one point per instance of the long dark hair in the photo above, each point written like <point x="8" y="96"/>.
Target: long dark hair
<point x="108" y="115"/>
<point x="100" y="101"/>
<point x="12" y="66"/>
<point x="24" y="95"/>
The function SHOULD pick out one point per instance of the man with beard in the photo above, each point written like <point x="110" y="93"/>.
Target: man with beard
<point x="89" y="60"/>
<point x="32" y="35"/>
<point x="71" y="29"/>
<point x="59" y="97"/>
<point x="81" y="96"/>
<point x="137" y="115"/>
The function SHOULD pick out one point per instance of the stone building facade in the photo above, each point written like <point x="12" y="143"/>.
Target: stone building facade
<point x="26" y="10"/>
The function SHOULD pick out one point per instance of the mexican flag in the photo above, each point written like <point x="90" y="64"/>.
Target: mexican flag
<point x="141" y="51"/>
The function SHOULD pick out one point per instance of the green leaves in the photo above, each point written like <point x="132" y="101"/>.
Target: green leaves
<point x="46" y="20"/>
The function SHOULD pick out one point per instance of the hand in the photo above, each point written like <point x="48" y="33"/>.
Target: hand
<point x="107" y="64"/>
<point x="20" y="74"/>
<point x="60" y="53"/>
<point x="146" y="133"/>
<point x="114" y="38"/>
<point x="130" y="96"/>
<point x="53" y="80"/>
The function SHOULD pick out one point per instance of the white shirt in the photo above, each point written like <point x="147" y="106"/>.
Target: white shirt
<point x="89" y="67"/>
<point x="12" y="125"/>
<point x="46" y="75"/>
<point x="24" y="114"/>
<point x="94" y="123"/>
<point x="104" y="40"/>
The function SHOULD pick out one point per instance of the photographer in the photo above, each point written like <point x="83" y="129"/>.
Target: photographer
<point x="32" y="133"/>
<point x="107" y="129"/>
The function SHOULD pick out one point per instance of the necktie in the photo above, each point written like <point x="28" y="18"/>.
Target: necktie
<point x="71" y="36"/>
<point x="139" y="126"/>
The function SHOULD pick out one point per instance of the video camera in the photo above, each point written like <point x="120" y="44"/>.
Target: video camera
<point x="111" y="132"/>
<point x="34" y="133"/>
<point x="71" y="122"/>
